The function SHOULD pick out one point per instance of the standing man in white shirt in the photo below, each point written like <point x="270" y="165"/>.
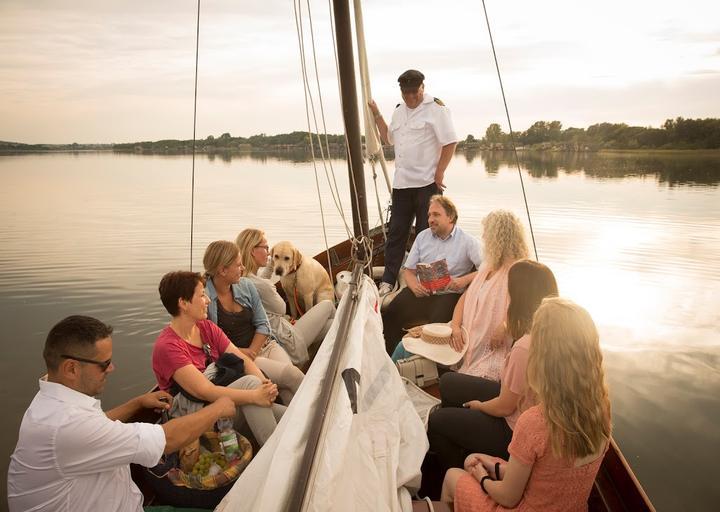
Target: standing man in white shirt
<point x="424" y="138"/>
<point x="71" y="456"/>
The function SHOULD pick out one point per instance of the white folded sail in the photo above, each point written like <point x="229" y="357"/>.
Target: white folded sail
<point x="365" y="460"/>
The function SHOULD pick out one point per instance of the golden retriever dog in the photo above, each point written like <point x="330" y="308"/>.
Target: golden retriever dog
<point x="303" y="279"/>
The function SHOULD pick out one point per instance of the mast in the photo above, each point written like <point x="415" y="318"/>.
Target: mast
<point x="348" y="92"/>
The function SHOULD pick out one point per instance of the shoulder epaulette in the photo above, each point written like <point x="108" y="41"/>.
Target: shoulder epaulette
<point x="439" y="102"/>
<point x="396" y="106"/>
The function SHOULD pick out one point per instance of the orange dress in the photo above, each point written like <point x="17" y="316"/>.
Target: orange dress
<point x="554" y="484"/>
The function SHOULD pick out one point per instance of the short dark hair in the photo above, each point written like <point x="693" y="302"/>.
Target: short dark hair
<point x="178" y="285"/>
<point x="410" y="80"/>
<point x="529" y="282"/>
<point x="74" y="335"/>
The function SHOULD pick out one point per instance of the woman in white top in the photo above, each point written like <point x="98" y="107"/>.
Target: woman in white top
<point x="295" y="337"/>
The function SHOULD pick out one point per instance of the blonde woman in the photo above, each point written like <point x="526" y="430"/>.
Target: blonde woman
<point x="236" y="308"/>
<point x="482" y="309"/>
<point x="309" y="328"/>
<point x="557" y="445"/>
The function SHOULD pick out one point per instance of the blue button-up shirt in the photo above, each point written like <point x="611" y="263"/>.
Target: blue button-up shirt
<point x="461" y="250"/>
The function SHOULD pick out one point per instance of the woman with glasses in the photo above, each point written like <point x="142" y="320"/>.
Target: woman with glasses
<point x="186" y="349"/>
<point x="236" y="308"/>
<point x="310" y="328"/>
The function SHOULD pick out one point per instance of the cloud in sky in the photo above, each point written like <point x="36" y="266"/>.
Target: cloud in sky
<point x="90" y="71"/>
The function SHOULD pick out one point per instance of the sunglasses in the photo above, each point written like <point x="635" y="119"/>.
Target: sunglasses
<point x="104" y="365"/>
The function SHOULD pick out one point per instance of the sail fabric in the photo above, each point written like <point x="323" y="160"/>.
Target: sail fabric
<point x="373" y="147"/>
<point x="366" y="459"/>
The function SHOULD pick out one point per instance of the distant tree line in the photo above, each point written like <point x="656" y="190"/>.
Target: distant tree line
<point x="19" y="147"/>
<point x="677" y="133"/>
<point x="227" y="143"/>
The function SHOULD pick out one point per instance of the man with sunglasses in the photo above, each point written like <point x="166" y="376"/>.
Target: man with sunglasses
<point x="72" y="456"/>
<point x="424" y="138"/>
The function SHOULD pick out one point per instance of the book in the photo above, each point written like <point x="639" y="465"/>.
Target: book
<point x="433" y="276"/>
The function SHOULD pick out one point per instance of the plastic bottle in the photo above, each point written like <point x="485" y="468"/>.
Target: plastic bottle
<point x="228" y="438"/>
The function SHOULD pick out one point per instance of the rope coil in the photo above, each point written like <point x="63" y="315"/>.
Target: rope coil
<point x="362" y="251"/>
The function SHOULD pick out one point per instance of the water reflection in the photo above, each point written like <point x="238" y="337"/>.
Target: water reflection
<point x="676" y="168"/>
<point x="671" y="394"/>
<point x="672" y="168"/>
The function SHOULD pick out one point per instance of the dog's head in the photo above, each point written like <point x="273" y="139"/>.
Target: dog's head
<point x="285" y="258"/>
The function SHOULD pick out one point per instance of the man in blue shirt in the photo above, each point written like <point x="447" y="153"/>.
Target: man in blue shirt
<point x="443" y="240"/>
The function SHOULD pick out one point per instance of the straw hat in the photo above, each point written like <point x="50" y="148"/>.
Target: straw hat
<point x="432" y="341"/>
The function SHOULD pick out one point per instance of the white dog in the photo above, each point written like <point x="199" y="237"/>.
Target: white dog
<point x="303" y="279"/>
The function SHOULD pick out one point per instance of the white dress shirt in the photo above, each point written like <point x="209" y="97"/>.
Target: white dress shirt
<point x="419" y="135"/>
<point x="71" y="457"/>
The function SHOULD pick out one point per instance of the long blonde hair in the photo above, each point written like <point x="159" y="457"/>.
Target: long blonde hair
<point x="246" y="241"/>
<point x="218" y="255"/>
<point x="504" y="238"/>
<point x="565" y="370"/>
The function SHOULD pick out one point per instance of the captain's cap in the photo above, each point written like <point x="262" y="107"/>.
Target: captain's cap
<point x="411" y="79"/>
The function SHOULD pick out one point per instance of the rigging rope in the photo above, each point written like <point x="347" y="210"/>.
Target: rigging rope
<point x="512" y="138"/>
<point x="306" y="93"/>
<point x="333" y="187"/>
<point x="192" y="186"/>
<point x="310" y="110"/>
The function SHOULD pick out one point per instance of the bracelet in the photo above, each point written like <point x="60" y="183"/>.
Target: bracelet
<point x="482" y="483"/>
<point x="497" y="471"/>
<point x="377" y="116"/>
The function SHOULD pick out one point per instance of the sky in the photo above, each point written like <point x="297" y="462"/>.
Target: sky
<point x="99" y="72"/>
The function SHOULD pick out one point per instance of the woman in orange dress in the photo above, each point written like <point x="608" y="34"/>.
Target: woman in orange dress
<point x="557" y="445"/>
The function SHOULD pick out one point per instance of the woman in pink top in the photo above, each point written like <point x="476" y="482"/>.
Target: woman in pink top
<point x="482" y="308"/>
<point x="479" y="415"/>
<point x="558" y="445"/>
<point x="186" y="349"/>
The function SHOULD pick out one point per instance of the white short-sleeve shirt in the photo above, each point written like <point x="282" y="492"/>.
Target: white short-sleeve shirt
<point x="71" y="457"/>
<point x="419" y="135"/>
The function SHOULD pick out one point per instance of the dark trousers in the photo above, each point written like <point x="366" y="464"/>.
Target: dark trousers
<point x="406" y="310"/>
<point x="407" y="204"/>
<point x="455" y="432"/>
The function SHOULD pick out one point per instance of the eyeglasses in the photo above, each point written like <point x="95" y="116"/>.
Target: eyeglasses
<point x="104" y="365"/>
<point x="262" y="247"/>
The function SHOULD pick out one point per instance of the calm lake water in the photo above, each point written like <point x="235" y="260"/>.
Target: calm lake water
<point x="633" y="238"/>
